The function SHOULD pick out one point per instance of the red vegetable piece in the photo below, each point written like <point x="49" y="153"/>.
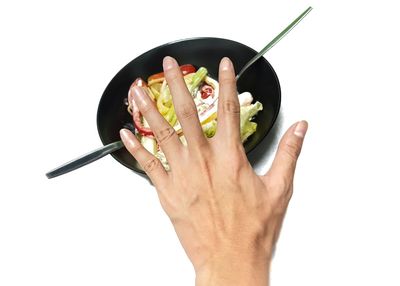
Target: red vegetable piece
<point x="186" y="69"/>
<point x="206" y="91"/>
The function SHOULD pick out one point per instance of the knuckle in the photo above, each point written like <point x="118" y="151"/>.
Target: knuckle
<point x="237" y="152"/>
<point x="164" y="135"/>
<point x="236" y="160"/>
<point x="230" y="106"/>
<point x="227" y="80"/>
<point x="284" y="184"/>
<point x="186" y="110"/>
<point x="133" y="146"/>
<point x="151" y="165"/>
<point x="236" y="166"/>
<point x="133" y="149"/>
<point x="281" y="188"/>
<point x="292" y="150"/>
<point x="173" y="75"/>
<point x="145" y="107"/>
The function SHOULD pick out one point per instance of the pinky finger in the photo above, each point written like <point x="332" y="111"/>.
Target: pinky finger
<point x="150" y="164"/>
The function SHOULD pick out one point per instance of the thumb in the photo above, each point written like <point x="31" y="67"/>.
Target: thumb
<point x="288" y="152"/>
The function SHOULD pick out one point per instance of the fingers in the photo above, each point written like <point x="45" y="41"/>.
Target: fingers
<point x="185" y="107"/>
<point x="284" y="164"/>
<point x="150" y="164"/>
<point x="228" y="102"/>
<point x="164" y="133"/>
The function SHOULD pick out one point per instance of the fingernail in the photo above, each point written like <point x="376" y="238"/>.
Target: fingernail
<point x="301" y="129"/>
<point x="128" y="142"/>
<point x="124" y="133"/>
<point x="139" y="96"/>
<point x="169" y="63"/>
<point x="226" y="64"/>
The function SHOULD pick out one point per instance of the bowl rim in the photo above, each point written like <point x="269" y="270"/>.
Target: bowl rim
<point x="186" y="40"/>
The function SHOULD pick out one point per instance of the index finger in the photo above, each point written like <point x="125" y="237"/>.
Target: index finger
<point x="185" y="107"/>
<point x="164" y="133"/>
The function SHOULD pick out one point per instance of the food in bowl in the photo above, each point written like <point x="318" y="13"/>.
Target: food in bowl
<point x="204" y="91"/>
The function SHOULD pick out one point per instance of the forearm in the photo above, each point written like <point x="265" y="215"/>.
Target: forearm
<point x="235" y="271"/>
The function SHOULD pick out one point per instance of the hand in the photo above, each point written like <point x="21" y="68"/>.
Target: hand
<point x="227" y="217"/>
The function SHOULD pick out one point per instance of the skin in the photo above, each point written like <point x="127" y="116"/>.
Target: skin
<point x="227" y="218"/>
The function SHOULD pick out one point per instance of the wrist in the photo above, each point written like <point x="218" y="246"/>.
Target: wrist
<point x="237" y="269"/>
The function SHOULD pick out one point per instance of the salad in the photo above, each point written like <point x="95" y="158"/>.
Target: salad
<point x="205" y="91"/>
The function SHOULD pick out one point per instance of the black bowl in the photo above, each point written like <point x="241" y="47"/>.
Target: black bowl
<point x="260" y="80"/>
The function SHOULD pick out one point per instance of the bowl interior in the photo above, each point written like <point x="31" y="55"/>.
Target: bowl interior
<point x="260" y="80"/>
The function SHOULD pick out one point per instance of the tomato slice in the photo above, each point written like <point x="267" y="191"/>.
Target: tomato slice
<point x="206" y="91"/>
<point x="186" y="69"/>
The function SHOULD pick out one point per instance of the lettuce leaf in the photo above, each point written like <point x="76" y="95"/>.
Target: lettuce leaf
<point x="247" y="112"/>
<point x="210" y="128"/>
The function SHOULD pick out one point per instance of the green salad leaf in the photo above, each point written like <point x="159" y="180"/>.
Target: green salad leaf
<point x="210" y="128"/>
<point x="247" y="112"/>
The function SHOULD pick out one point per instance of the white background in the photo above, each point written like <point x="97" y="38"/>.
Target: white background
<point x="102" y="224"/>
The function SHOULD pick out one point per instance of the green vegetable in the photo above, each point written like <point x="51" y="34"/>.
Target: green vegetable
<point x="247" y="112"/>
<point x="171" y="116"/>
<point x="164" y="101"/>
<point x="210" y="128"/>
<point x="165" y="96"/>
<point x="197" y="79"/>
<point x="165" y="105"/>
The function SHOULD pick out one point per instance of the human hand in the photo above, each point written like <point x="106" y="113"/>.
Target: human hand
<point x="227" y="218"/>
